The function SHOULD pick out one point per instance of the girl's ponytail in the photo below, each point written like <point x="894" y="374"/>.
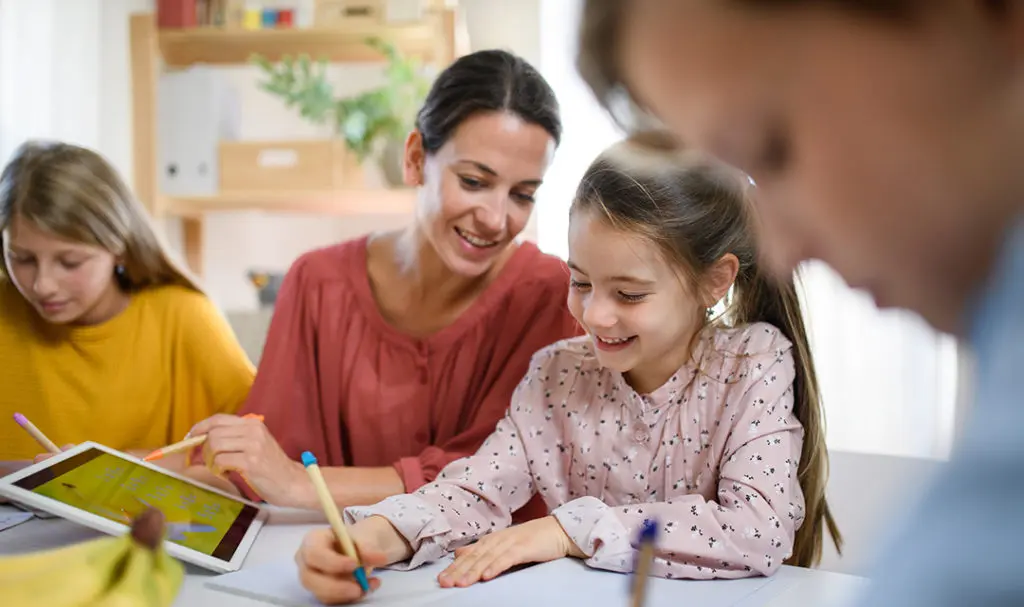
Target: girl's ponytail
<point x="760" y="297"/>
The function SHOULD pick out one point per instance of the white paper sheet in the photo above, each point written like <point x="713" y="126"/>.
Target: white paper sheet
<point x="277" y="583"/>
<point x="10" y="519"/>
<point x="561" y="582"/>
<point x="570" y="582"/>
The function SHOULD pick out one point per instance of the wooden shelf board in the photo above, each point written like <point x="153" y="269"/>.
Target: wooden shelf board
<point x="182" y="48"/>
<point x="348" y="202"/>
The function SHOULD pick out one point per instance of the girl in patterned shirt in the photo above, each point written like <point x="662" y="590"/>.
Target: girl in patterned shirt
<point x="708" y="423"/>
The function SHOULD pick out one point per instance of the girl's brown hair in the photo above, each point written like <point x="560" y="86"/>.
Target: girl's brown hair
<point x="697" y="210"/>
<point x="73" y="193"/>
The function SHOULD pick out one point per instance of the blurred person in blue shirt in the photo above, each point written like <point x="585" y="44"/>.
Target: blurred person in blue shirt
<point x="886" y="137"/>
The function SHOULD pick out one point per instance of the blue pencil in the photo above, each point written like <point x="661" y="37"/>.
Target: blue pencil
<point x="644" y="557"/>
<point x="334" y="517"/>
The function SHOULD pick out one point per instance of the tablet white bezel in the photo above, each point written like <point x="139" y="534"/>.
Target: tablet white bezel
<point x="33" y="500"/>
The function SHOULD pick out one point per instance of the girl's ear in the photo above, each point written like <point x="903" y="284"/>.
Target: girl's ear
<point x="413" y="159"/>
<point x="719" y="277"/>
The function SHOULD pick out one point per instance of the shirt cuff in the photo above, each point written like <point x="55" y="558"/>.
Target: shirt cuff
<point x="411" y="471"/>
<point x="597" y="532"/>
<point x="419" y="522"/>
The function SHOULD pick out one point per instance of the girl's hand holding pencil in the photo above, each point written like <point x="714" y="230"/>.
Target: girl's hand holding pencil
<point x="335" y="564"/>
<point x="329" y="574"/>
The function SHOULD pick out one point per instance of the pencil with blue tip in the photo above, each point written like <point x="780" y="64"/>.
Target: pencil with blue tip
<point x="644" y="559"/>
<point x="334" y="518"/>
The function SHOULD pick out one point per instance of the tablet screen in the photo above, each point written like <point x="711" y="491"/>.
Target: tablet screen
<point x="118" y="489"/>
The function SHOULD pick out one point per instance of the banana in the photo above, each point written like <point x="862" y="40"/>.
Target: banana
<point x="130" y="570"/>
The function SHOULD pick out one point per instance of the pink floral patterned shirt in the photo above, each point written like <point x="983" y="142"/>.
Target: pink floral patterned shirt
<point x="712" y="455"/>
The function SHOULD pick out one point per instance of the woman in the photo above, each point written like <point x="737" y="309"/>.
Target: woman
<point x="886" y="138"/>
<point x="394" y="354"/>
<point x="102" y="336"/>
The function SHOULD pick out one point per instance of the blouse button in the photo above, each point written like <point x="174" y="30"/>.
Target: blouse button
<point x="641" y="435"/>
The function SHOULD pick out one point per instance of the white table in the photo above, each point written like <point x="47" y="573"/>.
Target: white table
<point x="276" y="542"/>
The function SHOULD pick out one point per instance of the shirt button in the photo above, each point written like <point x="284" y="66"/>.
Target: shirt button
<point x="641" y="435"/>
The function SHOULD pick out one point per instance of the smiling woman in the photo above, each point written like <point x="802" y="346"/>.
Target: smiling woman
<point x="102" y="336"/>
<point x="391" y="355"/>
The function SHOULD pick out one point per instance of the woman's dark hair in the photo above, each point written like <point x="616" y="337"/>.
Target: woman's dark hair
<point x="491" y="80"/>
<point x="697" y="210"/>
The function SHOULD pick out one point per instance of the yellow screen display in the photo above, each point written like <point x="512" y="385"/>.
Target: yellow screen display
<point x="119" y="490"/>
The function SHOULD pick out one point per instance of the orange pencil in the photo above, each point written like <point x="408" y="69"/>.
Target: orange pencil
<point x="188" y="443"/>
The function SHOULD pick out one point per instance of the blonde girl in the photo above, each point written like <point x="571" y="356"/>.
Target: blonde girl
<point x="102" y="336"/>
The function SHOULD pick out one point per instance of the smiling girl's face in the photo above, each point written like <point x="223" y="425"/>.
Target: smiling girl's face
<point x="66" y="282"/>
<point x="634" y="304"/>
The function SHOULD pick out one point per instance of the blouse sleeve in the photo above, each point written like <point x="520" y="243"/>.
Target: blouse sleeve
<point x="213" y="373"/>
<point x="472" y="496"/>
<point x="286" y="391"/>
<point x="749" y="531"/>
<point x="543" y="327"/>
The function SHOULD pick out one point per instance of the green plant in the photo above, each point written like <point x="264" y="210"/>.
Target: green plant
<point x="386" y="112"/>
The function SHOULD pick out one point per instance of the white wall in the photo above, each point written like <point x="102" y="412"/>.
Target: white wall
<point x="38" y="94"/>
<point x="587" y="129"/>
<point x="72" y="81"/>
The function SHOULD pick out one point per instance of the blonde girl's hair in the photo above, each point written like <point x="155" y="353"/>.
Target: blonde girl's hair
<point x="697" y="210"/>
<point x="74" y="193"/>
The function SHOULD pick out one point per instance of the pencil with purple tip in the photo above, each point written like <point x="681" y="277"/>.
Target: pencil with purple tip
<point x="41" y="438"/>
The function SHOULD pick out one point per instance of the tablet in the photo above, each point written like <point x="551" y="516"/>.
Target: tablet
<point x="105" y="489"/>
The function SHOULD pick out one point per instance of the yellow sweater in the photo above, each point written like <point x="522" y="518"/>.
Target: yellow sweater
<point x="138" y="381"/>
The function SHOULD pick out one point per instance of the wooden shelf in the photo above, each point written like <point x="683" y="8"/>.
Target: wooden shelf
<point x="182" y="48"/>
<point x="438" y="39"/>
<point x="348" y="202"/>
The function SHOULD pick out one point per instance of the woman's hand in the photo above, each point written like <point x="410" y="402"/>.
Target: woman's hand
<point x="536" y="541"/>
<point x="246" y="446"/>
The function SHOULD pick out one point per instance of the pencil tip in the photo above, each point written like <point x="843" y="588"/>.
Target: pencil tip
<point x="360" y="575"/>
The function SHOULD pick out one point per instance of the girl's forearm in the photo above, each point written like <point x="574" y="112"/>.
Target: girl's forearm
<point x="379" y="533"/>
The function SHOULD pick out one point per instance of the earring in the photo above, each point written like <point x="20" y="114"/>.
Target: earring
<point x="119" y="270"/>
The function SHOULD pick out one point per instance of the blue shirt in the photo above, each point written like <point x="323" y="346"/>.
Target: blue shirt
<point x="963" y="545"/>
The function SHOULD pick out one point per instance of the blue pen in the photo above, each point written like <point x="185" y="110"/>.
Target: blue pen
<point x="644" y="556"/>
<point x="334" y="517"/>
